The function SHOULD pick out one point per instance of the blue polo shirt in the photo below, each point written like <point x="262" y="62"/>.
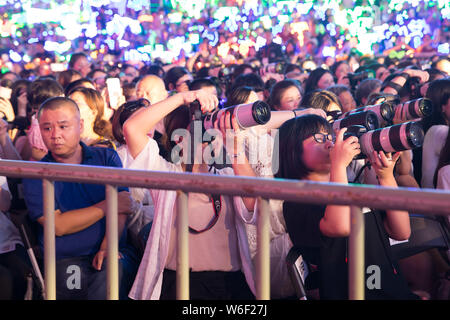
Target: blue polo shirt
<point x="71" y="196"/>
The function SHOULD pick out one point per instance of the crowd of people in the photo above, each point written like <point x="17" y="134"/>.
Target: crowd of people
<point x="78" y="115"/>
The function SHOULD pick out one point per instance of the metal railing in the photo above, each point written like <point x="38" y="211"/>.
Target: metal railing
<point x="425" y="201"/>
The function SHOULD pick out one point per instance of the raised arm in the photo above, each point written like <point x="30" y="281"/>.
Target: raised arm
<point x="397" y="223"/>
<point x="136" y="128"/>
<point x="336" y="220"/>
<point x="7" y="149"/>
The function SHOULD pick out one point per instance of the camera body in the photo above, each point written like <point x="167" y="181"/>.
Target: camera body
<point x="368" y="119"/>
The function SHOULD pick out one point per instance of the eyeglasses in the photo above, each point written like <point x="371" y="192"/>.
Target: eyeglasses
<point x="322" y="137"/>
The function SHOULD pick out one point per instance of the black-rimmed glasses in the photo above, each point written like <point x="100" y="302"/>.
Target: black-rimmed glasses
<point x="322" y="137"/>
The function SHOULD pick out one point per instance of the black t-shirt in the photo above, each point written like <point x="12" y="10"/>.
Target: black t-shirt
<point x="330" y="254"/>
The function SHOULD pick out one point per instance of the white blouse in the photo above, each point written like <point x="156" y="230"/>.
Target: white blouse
<point x="432" y="145"/>
<point x="148" y="282"/>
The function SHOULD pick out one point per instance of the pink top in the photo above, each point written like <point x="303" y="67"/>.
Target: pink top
<point x="215" y="249"/>
<point x="34" y="135"/>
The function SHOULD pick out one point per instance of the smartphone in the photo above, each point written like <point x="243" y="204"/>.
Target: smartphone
<point x="5" y="93"/>
<point x="114" y="91"/>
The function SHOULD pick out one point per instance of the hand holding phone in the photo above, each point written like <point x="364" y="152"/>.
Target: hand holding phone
<point x="5" y="93"/>
<point x="114" y="91"/>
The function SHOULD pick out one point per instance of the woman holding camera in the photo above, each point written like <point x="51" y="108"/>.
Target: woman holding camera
<point x="219" y="255"/>
<point x="310" y="152"/>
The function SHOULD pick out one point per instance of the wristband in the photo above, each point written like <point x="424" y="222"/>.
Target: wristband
<point x="403" y="75"/>
<point x="392" y="85"/>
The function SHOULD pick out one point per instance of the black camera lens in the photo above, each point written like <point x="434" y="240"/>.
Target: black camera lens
<point x="261" y="112"/>
<point x="426" y="107"/>
<point x="414" y="134"/>
<point x="372" y="122"/>
<point x="387" y="111"/>
<point x="367" y="119"/>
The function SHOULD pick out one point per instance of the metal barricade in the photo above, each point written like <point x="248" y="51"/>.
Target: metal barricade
<point x="425" y="201"/>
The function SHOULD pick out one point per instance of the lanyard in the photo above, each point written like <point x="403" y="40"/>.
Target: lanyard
<point x="217" y="206"/>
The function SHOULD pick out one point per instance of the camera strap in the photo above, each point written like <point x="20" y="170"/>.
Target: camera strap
<point x="217" y="206"/>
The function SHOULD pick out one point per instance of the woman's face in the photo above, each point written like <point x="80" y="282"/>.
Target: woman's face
<point x="86" y="113"/>
<point x="253" y="97"/>
<point x="446" y="111"/>
<point x="183" y="83"/>
<point x="381" y="73"/>
<point x="316" y="156"/>
<point x="342" y="70"/>
<point x="290" y="99"/>
<point x="325" y="81"/>
<point x="347" y="101"/>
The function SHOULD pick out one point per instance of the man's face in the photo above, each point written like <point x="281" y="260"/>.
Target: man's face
<point x="128" y="75"/>
<point x="61" y="131"/>
<point x="83" y="66"/>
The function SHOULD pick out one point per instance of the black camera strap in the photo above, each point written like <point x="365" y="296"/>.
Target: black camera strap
<point x="217" y="206"/>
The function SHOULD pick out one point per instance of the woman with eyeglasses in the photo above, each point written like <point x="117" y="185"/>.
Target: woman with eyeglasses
<point x="308" y="150"/>
<point x="219" y="255"/>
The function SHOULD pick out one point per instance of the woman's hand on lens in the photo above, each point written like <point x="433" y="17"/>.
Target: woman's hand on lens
<point x="316" y="111"/>
<point x="208" y="102"/>
<point x="231" y="133"/>
<point x="344" y="151"/>
<point x="384" y="164"/>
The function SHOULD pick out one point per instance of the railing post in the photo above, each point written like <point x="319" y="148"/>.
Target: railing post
<point x="356" y="259"/>
<point x="112" y="237"/>
<point x="263" y="255"/>
<point x="48" y="194"/>
<point x="182" y="273"/>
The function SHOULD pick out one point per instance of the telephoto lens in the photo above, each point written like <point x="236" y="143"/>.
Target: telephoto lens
<point x="385" y="112"/>
<point x="247" y="115"/>
<point x="414" y="109"/>
<point x="368" y="119"/>
<point x="399" y="137"/>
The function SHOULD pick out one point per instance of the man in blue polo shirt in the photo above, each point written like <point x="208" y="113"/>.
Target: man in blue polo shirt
<point x="80" y="208"/>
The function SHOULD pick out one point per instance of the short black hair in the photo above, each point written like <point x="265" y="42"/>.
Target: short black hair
<point x="172" y="76"/>
<point x="277" y="90"/>
<point x="55" y="103"/>
<point x="76" y="56"/>
<point x="42" y="89"/>
<point x="250" y="80"/>
<point x="289" y="153"/>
